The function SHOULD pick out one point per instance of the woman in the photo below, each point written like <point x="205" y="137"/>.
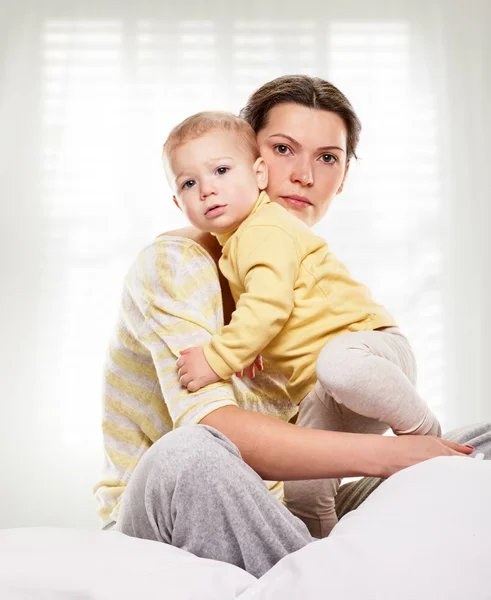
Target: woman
<point x="201" y="487"/>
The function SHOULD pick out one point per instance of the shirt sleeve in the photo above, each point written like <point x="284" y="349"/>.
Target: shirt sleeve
<point x="124" y="445"/>
<point x="171" y="300"/>
<point x="175" y="284"/>
<point x="268" y="263"/>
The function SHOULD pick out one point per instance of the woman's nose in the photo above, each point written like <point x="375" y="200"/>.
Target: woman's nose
<point x="303" y="174"/>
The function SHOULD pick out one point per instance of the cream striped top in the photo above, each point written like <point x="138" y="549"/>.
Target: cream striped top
<point x="171" y="300"/>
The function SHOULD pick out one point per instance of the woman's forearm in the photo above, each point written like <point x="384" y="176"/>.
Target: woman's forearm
<point x="282" y="451"/>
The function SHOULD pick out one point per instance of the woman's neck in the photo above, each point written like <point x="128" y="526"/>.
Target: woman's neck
<point x="210" y="243"/>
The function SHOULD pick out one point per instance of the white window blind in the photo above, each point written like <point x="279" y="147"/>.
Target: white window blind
<point x="387" y="223"/>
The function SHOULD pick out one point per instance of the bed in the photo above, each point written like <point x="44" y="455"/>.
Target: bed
<point x="423" y="534"/>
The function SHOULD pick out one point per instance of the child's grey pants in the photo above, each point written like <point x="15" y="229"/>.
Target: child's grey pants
<point x="366" y="384"/>
<point x="191" y="489"/>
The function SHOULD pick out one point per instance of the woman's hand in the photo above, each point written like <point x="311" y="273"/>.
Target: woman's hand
<point x="409" y="450"/>
<point x="250" y="371"/>
<point x="194" y="370"/>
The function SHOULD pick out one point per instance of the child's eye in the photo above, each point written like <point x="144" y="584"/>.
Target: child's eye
<point x="222" y="170"/>
<point x="328" y="159"/>
<point x="282" y="149"/>
<point x="188" y="184"/>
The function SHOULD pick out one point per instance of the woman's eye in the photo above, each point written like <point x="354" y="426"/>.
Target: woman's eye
<point x="328" y="158"/>
<point x="188" y="184"/>
<point x="222" y="170"/>
<point x="282" y="149"/>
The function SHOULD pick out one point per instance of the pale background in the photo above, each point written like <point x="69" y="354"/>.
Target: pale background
<point x="88" y="92"/>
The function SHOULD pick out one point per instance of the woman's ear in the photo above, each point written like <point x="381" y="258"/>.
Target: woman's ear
<point x="261" y="171"/>
<point x="340" y="188"/>
<point x="176" y="203"/>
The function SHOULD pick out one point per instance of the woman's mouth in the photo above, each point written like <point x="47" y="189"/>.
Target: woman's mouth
<point x="297" y="201"/>
<point x="215" y="211"/>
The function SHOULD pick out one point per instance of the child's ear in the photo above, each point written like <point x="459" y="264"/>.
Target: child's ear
<point x="340" y="188"/>
<point x="261" y="171"/>
<point x="176" y="203"/>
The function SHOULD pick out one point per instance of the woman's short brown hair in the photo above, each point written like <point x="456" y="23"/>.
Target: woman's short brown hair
<point x="312" y="92"/>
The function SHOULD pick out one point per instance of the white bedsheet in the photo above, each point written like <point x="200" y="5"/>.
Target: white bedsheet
<point x="425" y="534"/>
<point x="56" y="564"/>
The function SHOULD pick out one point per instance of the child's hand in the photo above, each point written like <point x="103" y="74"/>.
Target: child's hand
<point x="250" y="371"/>
<point x="194" y="370"/>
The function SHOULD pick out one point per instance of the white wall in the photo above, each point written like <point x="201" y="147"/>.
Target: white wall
<point x="88" y="91"/>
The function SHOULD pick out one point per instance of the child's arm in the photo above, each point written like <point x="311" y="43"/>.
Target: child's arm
<point x="268" y="263"/>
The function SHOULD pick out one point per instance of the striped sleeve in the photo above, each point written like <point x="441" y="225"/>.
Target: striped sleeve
<point x="171" y="300"/>
<point x="175" y="286"/>
<point x="134" y="417"/>
<point x="124" y="445"/>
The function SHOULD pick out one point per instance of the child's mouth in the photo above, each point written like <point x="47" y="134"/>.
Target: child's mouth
<point x="215" y="210"/>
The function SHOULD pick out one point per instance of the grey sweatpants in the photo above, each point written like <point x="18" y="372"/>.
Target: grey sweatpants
<point x="366" y="384"/>
<point x="191" y="489"/>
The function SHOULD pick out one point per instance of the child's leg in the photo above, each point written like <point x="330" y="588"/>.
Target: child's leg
<point x="373" y="374"/>
<point x="313" y="501"/>
<point x="365" y="383"/>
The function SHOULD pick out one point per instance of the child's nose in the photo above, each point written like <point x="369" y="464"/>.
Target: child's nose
<point x="206" y="191"/>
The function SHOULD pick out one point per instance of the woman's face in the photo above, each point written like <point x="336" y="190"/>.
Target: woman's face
<point x="305" y="150"/>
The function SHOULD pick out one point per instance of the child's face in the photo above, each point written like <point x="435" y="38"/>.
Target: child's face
<point x="215" y="181"/>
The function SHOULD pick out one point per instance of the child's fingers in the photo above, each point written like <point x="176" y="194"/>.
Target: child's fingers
<point x="184" y="380"/>
<point x="193" y="385"/>
<point x="259" y="362"/>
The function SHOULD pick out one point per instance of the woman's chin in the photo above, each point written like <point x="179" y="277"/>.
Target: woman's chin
<point x="302" y="213"/>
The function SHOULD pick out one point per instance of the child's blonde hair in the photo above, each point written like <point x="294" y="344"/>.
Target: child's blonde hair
<point x="203" y="122"/>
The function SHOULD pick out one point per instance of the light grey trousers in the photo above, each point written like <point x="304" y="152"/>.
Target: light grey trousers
<point x="191" y="489"/>
<point x="366" y="384"/>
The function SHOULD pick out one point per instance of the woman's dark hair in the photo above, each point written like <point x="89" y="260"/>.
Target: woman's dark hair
<point x="311" y="92"/>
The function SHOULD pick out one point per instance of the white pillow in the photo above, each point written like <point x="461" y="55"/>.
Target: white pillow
<point x="425" y="534"/>
<point x="69" y="564"/>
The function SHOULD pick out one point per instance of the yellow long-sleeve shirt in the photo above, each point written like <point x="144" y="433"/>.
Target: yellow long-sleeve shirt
<point x="292" y="296"/>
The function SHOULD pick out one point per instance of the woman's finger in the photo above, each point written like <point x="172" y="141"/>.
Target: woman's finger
<point x="460" y="448"/>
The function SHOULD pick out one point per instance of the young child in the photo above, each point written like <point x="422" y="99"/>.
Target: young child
<point x="296" y="304"/>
